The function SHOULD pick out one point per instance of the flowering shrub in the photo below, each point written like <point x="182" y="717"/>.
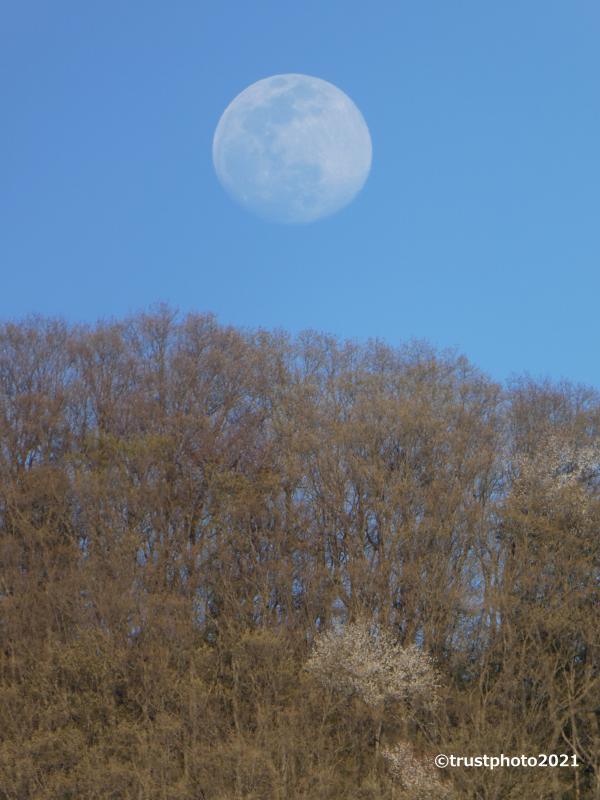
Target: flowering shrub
<point x="419" y="780"/>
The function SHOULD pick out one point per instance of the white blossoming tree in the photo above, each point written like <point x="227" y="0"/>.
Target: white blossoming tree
<point x="559" y="464"/>
<point x="358" y="659"/>
<point x="362" y="660"/>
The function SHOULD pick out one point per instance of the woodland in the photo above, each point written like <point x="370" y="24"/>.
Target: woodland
<point x="244" y="565"/>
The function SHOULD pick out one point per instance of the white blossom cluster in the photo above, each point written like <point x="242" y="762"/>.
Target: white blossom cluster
<point x="361" y="660"/>
<point x="560" y="463"/>
<point x="419" y="780"/>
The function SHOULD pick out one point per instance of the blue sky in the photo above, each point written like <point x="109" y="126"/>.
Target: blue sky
<point x="478" y="228"/>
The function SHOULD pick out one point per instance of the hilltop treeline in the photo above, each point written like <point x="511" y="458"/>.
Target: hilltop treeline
<point x="189" y="516"/>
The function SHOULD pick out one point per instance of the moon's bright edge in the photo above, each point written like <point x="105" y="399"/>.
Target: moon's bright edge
<point x="292" y="148"/>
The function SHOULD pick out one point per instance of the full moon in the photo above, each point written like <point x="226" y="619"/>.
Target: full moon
<point x="292" y="149"/>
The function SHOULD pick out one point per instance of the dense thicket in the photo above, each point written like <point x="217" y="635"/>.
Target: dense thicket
<point x="185" y="508"/>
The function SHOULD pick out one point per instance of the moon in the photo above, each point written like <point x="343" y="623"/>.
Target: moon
<point x="292" y="149"/>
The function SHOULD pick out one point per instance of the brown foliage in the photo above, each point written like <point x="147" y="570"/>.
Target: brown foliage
<point x="185" y="509"/>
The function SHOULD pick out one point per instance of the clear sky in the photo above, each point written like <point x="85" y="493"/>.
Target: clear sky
<point x="479" y="227"/>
